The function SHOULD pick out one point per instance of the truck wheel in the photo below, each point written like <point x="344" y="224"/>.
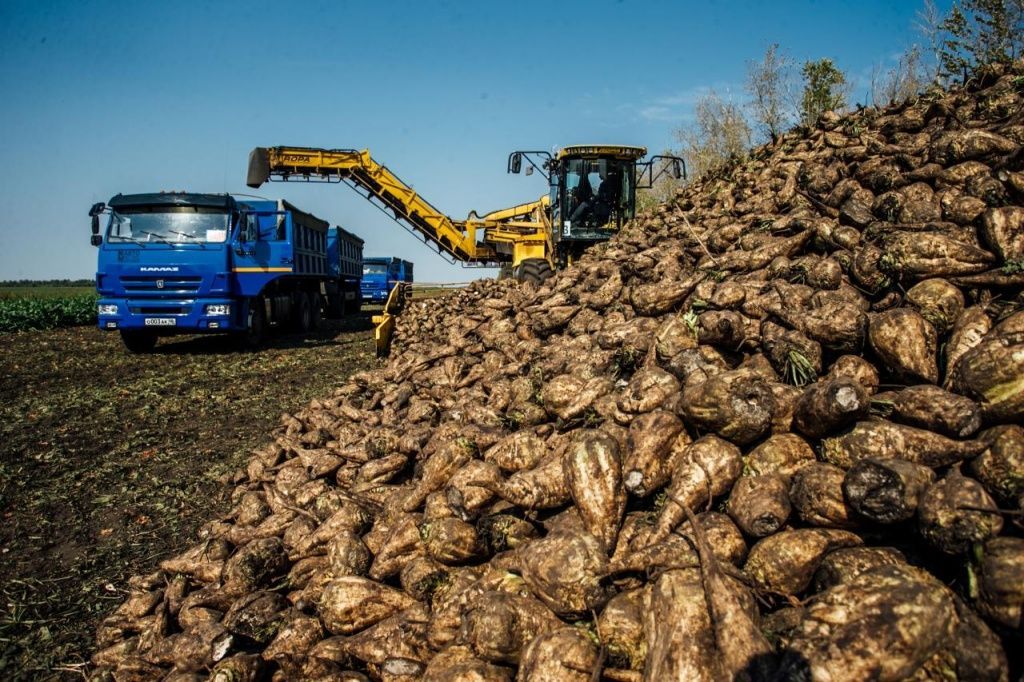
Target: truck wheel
<point x="316" y="315"/>
<point x="138" y="341"/>
<point x="256" y="324"/>
<point x="534" y="270"/>
<point x="335" y="306"/>
<point x="303" y="315"/>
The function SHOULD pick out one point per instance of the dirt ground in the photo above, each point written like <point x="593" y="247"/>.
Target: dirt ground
<point x="109" y="462"/>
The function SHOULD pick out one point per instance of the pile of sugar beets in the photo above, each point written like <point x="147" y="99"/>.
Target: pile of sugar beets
<point x="770" y="431"/>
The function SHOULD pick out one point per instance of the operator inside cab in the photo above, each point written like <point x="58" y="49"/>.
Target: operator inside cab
<point x="608" y="194"/>
<point x="587" y="208"/>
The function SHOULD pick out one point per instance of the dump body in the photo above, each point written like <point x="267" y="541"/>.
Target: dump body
<point x="192" y="263"/>
<point x="345" y="269"/>
<point x="381" y="274"/>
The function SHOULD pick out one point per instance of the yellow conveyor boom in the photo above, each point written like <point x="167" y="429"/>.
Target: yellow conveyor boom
<point x="469" y="241"/>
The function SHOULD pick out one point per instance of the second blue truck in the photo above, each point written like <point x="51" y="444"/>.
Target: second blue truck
<point x="179" y="262"/>
<point x="380" y="275"/>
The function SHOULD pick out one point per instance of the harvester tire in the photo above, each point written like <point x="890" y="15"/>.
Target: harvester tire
<point x="534" y="270"/>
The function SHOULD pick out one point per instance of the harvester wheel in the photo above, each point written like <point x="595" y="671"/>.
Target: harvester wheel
<point x="534" y="270"/>
<point x="138" y="341"/>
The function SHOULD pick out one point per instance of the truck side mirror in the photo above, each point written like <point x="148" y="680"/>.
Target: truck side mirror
<point x="677" y="169"/>
<point x="516" y="164"/>
<point x="94" y="214"/>
<point x="529" y="170"/>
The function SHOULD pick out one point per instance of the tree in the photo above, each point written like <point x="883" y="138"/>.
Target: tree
<point x="979" y="32"/>
<point x="769" y="85"/>
<point x="719" y="133"/>
<point x="824" y="90"/>
<point x="991" y="20"/>
<point x="929" y="26"/>
<point x="953" y="54"/>
<point x="904" y="81"/>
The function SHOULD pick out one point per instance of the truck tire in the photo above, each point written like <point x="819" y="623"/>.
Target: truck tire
<point x="335" y="306"/>
<point x="316" y="303"/>
<point x="256" y="324"/>
<point x="534" y="270"/>
<point x="138" y="341"/>
<point x="302" y="318"/>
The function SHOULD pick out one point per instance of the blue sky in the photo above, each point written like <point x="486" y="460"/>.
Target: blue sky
<point x="107" y="97"/>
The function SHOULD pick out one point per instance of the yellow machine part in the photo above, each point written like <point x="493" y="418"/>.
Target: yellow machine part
<point x="474" y="240"/>
<point x="532" y="209"/>
<point x="384" y="324"/>
<point x="455" y="238"/>
<point x="605" y="150"/>
<point x="525" y="227"/>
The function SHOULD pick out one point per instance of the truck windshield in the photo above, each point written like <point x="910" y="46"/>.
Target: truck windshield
<point x="174" y="225"/>
<point x="374" y="268"/>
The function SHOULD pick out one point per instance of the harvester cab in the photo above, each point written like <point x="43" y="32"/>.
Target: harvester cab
<point x="592" y="190"/>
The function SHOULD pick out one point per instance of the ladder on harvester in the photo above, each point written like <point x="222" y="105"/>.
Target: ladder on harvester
<point x="384" y="324"/>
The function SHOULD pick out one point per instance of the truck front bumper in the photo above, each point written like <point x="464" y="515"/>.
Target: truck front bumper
<point x="162" y="316"/>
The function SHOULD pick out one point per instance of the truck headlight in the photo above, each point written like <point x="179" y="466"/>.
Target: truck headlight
<point x="218" y="309"/>
<point x="106" y="309"/>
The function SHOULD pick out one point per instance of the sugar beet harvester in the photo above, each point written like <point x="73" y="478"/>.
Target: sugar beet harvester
<point x="591" y="195"/>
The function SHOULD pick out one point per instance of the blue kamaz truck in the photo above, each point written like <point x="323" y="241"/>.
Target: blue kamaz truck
<point x="380" y="275"/>
<point x="182" y="262"/>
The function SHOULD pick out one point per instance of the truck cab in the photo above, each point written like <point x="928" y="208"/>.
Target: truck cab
<point x="181" y="262"/>
<point x="380" y="274"/>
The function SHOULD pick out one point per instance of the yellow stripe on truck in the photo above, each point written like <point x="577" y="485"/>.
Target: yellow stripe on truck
<point x="262" y="270"/>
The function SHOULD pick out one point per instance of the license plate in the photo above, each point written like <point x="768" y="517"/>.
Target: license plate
<point x="160" y="322"/>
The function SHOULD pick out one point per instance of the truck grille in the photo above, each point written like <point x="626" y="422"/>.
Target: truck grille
<point x="145" y="284"/>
